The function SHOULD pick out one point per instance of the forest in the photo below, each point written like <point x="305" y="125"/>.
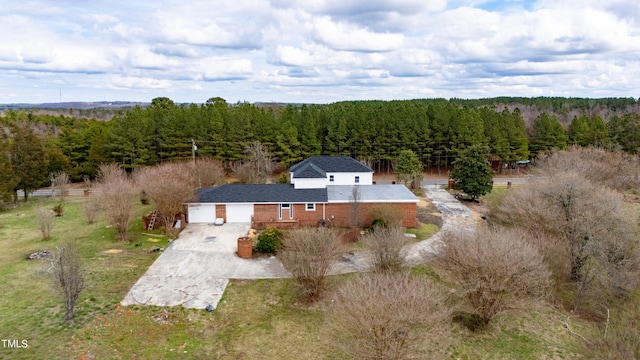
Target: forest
<point x="35" y="144"/>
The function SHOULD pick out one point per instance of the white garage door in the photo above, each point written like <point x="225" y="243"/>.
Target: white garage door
<point x="202" y="213"/>
<point x="239" y="213"/>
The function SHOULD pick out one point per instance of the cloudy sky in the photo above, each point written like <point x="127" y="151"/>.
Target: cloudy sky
<point x="316" y="51"/>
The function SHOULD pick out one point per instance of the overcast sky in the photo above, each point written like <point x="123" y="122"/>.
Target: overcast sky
<point x="316" y="51"/>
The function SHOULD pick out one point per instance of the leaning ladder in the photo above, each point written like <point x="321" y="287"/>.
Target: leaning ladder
<point x="152" y="221"/>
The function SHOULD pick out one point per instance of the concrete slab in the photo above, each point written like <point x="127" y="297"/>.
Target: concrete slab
<point x="195" y="268"/>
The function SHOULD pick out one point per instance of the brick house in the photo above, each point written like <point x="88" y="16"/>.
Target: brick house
<point x="321" y="188"/>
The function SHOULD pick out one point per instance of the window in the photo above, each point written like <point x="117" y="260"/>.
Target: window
<point x="357" y="179"/>
<point x="310" y="207"/>
<point x="286" y="207"/>
<point x="330" y="178"/>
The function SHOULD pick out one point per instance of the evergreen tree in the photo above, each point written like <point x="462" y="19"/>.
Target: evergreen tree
<point x="547" y="134"/>
<point x="8" y="179"/>
<point x="625" y="131"/>
<point x="28" y="160"/>
<point x="472" y="171"/>
<point x="409" y="169"/>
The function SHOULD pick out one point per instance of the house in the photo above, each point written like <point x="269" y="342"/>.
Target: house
<point x="333" y="189"/>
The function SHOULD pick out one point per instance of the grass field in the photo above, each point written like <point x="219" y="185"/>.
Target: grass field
<point x="255" y="319"/>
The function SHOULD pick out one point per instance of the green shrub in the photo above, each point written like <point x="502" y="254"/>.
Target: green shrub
<point x="269" y="241"/>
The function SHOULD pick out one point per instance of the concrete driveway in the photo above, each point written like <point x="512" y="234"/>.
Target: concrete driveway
<point x="195" y="269"/>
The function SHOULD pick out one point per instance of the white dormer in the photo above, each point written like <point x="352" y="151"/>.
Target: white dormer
<point x="321" y="171"/>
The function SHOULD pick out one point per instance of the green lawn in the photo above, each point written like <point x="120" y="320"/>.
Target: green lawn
<point x="255" y="319"/>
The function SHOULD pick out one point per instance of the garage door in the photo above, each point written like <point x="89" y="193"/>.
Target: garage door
<point x="239" y="213"/>
<point x="202" y="213"/>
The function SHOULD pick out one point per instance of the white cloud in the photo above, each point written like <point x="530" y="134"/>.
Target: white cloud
<point x="130" y="82"/>
<point x="319" y="50"/>
<point x="343" y="36"/>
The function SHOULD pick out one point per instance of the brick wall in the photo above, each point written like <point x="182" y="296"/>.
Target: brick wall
<point x="221" y="212"/>
<point x="342" y="213"/>
<point x="267" y="215"/>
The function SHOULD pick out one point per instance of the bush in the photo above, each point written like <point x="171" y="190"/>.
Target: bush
<point x="307" y="254"/>
<point x="269" y="241"/>
<point x="385" y="216"/>
<point x="492" y="268"/>
<point x="387" y="249"/>
<point x="388" y="316"/>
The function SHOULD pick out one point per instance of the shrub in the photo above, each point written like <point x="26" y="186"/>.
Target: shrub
<point x="388" y="316"/>
<point x="387" y="249"/>
<point x="308" y="254"/>
<point x="493" y="268"/>
<point x="385" y="216"/>
<point x="269" y="241"/>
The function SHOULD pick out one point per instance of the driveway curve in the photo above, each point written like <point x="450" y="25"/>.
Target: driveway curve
<point x="195" y="269"/>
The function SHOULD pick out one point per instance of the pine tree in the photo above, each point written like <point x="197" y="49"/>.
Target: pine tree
<point x="472" y="171"/>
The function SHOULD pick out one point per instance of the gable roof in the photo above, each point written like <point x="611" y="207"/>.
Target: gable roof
<point x="309" y="170"/>
<point x="318" y="166"/>
<point x="259" y="193"/>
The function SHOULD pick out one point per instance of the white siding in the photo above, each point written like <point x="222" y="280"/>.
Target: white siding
<point x="349" y="178"/>
<point x="306" y="183"/>
<point x="339" y="178"/>
<point x="202" y="213"/>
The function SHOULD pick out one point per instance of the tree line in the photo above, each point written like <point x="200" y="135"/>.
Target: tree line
<point x="375" y="132"/>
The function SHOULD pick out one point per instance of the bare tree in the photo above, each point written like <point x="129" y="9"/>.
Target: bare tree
<point x="168" y="185"/>
<point x="582" y="229"/>
<point x="307" y="254"/>
<point x="614" y="169"/>
<point x="388" y="316"/>
<point x="68" y="276"/>
<point x="60" y="183"/>
<point x="257" y="167"/>
<point x="45" y="219"/>
<point x="493" y="267"/>
<point x="355" y="205"/>
<point x="206" y="172"/>
<point x="117" y="191"/>
<point x="387" y="248"/>
<point x="262" y="160"/>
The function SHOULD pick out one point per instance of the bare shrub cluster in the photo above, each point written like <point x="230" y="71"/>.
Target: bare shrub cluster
<point x="617" y="170"/>
<point x="387" y="249"/>
<point x="257" y="167"/>
<point x="116" y="192"/>
<point x="68" y="276"/>
<point x="307" y="254"/>
<point x="45" y="219"/>
<point x="385" y="215"/>
<point x="206" y="172"/>
<point x="168" y="185"/>
<point x="91" y="208"/>
<point x="387" y="316"/>
<point x="492" y="268"/>
<point x="582" y="229"/>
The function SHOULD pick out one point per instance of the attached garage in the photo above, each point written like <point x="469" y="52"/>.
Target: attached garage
<point x="239" y="213"/>
<point x="202" y="213"/>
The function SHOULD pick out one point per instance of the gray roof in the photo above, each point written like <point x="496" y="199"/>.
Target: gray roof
<point x="318" y="166"/>
<point x="309" y="170"/>
<point x="371" y="193"/>
<point x="259" y="193"/>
